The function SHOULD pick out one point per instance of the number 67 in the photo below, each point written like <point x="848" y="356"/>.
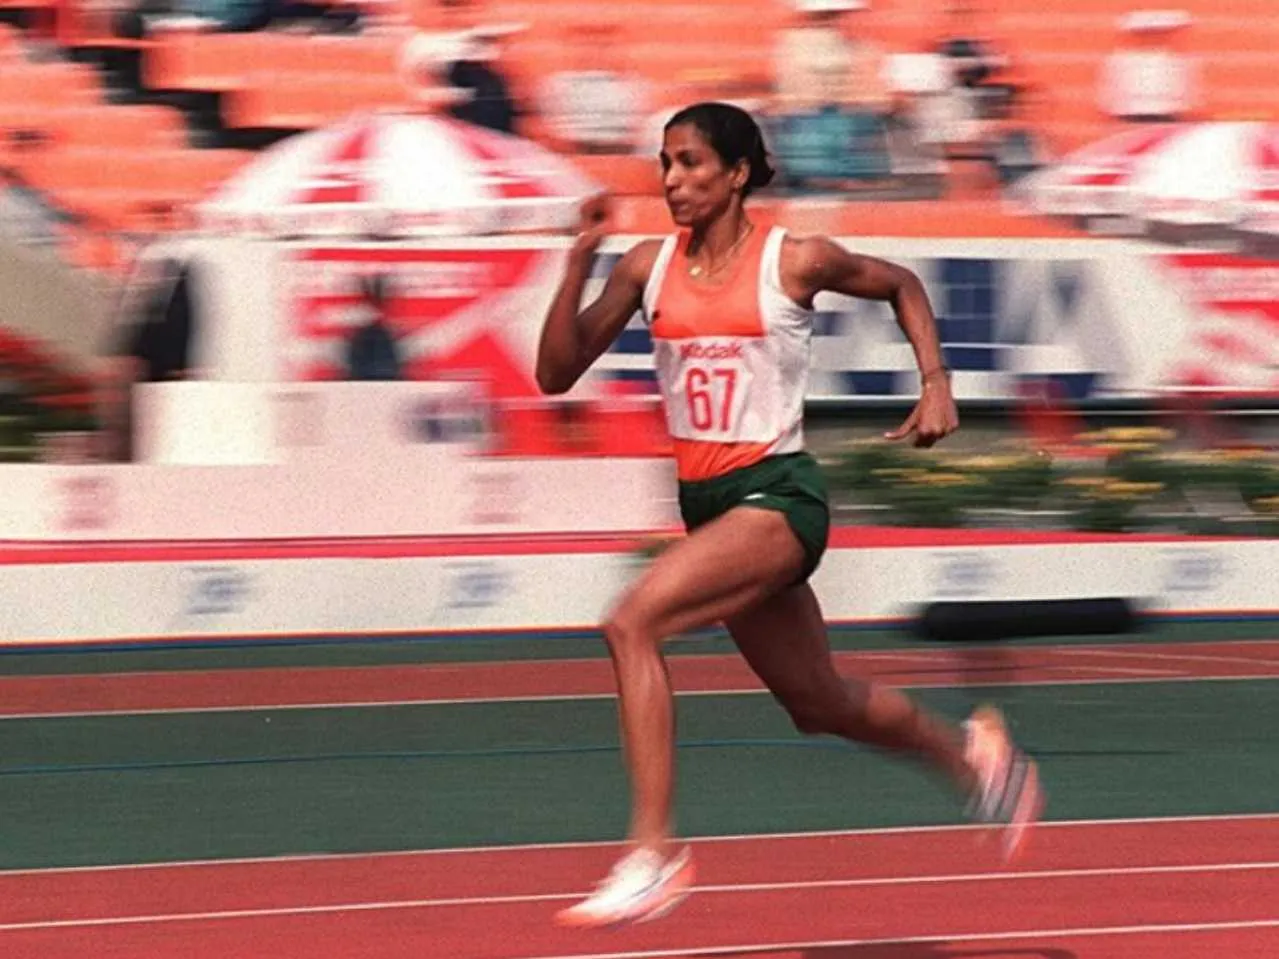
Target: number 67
<point x="700" y="390"/>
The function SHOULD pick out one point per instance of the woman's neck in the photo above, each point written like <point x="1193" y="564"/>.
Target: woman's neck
<point x="713" y="240"/>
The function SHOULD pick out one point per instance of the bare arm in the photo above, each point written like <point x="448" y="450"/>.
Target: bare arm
<point x="816" y="264"/>
<point x="821" y="264"/>
<point x="572" y="341"/>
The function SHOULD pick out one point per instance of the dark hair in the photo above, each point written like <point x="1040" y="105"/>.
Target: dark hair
<point x="734" y="135"/>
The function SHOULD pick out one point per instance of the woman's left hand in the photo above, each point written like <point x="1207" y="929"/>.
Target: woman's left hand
<point x="934" y="417"/>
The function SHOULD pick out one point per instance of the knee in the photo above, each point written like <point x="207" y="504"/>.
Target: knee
<point x="625" y="634"/>
<point x="812" y="718"/>
<point x="832" y="711"/>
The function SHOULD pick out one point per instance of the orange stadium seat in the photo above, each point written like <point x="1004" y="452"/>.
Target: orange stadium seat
<point x="99" y="125"/>
<point x="183" y="175"/>
<point x="1063" y="136"/>
<point x="539" y="13"/>
<point x="276" y="52"/>
<point x="530" y="60"/>
<point x="63" y="169"/>
<point x="660" y="61"/>
<point x="122" y="127"/>
<point x="29" y="85"/>
<point x="206" y="62"/>
<point x="1032" y="37"/>
<point x="307" y="100"/>
<point x="363" y="56"/>
<point x="112" y="185"/>
<point x="623" y="175"/>
<point x="203" y="171"/>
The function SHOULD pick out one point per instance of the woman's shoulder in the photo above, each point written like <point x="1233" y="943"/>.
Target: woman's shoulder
<point x="807" y="254"/>
<point x="638" y="261"/>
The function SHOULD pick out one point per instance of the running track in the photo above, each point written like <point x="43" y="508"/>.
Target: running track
<point x="1175" y="889"/>
<point x="1171" y="888"/>
<point x="579" y="678"/>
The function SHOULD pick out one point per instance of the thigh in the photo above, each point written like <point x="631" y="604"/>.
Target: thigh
<point x="729" y="564"/>
<point x="783" y="639"/>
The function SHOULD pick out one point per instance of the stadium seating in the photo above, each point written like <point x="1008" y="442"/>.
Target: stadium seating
<point x="287" y="81"/>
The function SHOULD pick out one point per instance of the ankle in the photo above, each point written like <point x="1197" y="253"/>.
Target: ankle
<point x="661" y="846"/>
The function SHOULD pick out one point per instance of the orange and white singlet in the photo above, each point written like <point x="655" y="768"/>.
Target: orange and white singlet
<point x="732" y="357"/>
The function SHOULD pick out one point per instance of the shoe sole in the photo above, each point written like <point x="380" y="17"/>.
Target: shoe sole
<point x="1017" y="832"/>
<point x="682" y="883"/>
<point x="674" y="890"/>
<point x="1031" y="800"/>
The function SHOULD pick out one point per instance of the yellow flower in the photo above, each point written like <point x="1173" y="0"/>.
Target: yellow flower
<point x="1137" y="434"/>
<point x="1084" y="481"/>
<point x="1130" y="446"/>
<point x="1119" y="490"/>
<point x="941" y="479"/>
<point x="1236" y="455"/>
<point x="1137" y="488"/>
<point x="988" y="462"/>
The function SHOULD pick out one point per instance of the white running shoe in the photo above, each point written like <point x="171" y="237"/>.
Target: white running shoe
<point x="1008" y="789"/>
<point x="640" y="886"/>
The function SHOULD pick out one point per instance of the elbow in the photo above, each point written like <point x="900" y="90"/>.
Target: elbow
<point x="909" y="281"/>
<point x="908" y="286"/>
<point x="552" y="384"/>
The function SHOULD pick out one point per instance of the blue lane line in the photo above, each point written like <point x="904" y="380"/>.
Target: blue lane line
<point x="501" y="752"/>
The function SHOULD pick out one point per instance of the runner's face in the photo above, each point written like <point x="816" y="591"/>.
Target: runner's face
<point x="697" y="183"/>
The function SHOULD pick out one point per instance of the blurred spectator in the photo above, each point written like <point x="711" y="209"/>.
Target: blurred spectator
<point x="697" y="86"/>
<point x="371" y="351"/>
<point x="143" y="17"/>
<point x="452" y="23"/>
<point x="490" y="103"/>
<point x="152" y="339"/>
<point x="831" y="98"/>
<point x="591" y="107"/>
<point x="423" y="64"/>
<point x="462" y="57"/>
<point x="922" y="85"/>
<point x="138" y="19"/>
<point x="244" y="16"/>
<point x="1015" y="148"/>
<point x="974" y="63"/>
<point x="974" y="92"/>
<point x="1146" y="79"/>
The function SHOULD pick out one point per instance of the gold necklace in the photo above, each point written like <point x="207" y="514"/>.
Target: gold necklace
<point x="698" y="270"/>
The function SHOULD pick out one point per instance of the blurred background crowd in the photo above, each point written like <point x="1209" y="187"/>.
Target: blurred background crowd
<point x="883" y="99"/>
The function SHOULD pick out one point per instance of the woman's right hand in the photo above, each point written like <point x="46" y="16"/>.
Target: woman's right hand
<point x="596" y="217"/>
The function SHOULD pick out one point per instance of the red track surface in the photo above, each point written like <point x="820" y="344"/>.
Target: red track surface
<point x="871" y="887"/>
<point x="249" y="688"/>
<point x="1172" y="889"/>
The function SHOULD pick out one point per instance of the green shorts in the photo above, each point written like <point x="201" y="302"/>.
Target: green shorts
<point x="791" y="483"/>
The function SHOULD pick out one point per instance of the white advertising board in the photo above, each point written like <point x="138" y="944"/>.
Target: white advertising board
<point x="153" y="593"/>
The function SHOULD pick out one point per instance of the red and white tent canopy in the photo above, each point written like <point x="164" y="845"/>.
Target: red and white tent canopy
<point x="1187" y="174"/>
<point x="399" y="175"/>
